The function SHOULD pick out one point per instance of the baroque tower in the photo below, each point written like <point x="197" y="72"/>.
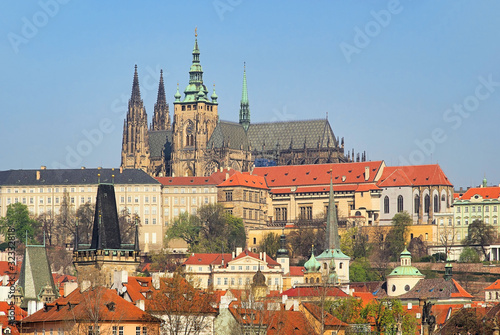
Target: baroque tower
<point x="244" y="105"/>
<point x="135" y="144"/>
<point x="161" y="116"/>
<point x="195" y="118"/>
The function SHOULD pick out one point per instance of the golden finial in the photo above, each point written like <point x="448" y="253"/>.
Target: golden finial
<point x="244" y="66"/>
<point x="196" y="32"/>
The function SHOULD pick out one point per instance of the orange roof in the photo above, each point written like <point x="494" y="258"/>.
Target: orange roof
<point x="366" y="297"/>
<point x="207" y="259"/>
<point x="329" y="319"/>
<point x="212" y="180"/>
<point x="318" y="174"/>
<point x="246" y="180"/>
<point x="484" y="192"/>
<point x="414" y="175"/>
<point x="77" y="304"/>
<point x="494" y="286"/>
<point x="297" y="271"/>
<point x="137" y="287"/>
<point x="462" y="293"/>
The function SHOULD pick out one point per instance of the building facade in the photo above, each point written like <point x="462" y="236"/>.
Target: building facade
<point x="48" y="191"/>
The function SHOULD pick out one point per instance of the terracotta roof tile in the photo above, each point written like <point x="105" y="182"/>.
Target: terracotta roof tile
<point x="484" y="192"/>
<point x="329" y="319"/>
<point x="297" y="271"/>
<point x="415" y="175"/>
<point x="245" y="253"/>
<point x="318" y="174"/>
<point x="207" y="259"/>
<point x="245" y="180"/>
<point x="494" y="286"/>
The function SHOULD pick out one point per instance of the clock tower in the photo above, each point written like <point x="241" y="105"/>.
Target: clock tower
<point x="195" y="119"/>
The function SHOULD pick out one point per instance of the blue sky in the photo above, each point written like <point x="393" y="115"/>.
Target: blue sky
<point x="409" y="82"/>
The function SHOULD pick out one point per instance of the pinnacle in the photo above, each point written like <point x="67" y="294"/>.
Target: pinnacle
<point x="161" y="99"/>
<point x="136" y="92"/>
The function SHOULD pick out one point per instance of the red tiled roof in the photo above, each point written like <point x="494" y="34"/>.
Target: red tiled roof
<point x="314" y="292"/>
<point x="494" y="286"/>
<point x="137" y="287"/>
<point x="366" y="297"/>
<point x="11" y="270"/>
<point x="318" y="174"/>
<point x="329" y="319"/>
<point x="246" y="180"/>
<point x="415" y="175"/>
<point x="297" y="271"/>
<point x="484" y="192"/>
<point x="213" y="180"/>
<point x="462" y="293"/>
<point x="111" y="307"/>
<point x="207" y="259"/>
<point x="245" y="253"/>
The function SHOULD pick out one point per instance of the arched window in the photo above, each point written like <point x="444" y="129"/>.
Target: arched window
<point x="417" y="204"/>
<point x="427" y="203"/>
<point x="317" y="280"/>
<point x="436" y="203"/>
<point x="307" y="280"/>
<point x="340" y="265"/>
<point x="400" y="203"/>
<point x="386" y="204"/>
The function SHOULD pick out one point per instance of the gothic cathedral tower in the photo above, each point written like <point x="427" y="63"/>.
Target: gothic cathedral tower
<point x="135" y="144"/>
<point x="161" y="116"/>
<point x="195" y="119"/>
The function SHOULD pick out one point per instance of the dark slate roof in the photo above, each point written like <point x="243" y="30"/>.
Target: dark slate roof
<point x="106" y="230"/>
<point x="266" y="136"/>
<point x="434" y="288"/>
<point x="292" y="133"/>
<point x="73" y="177"/>
<point x="159" y="140"/>
<point x="231" y="133"/>
<point x="35" y="273"/>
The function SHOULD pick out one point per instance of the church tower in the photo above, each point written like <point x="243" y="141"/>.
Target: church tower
<point x="244" y="104"/>
<point x="161" y="116"/>
<point x="195" y="118"/>
<point x="135" y="144"/>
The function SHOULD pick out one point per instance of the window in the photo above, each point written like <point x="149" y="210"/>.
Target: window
<point x="466" y="210"/>
<point x="458" y="222"/>
<point x="229" y="195"/>
<point x="417" y="204"/>
<point x="154" y="220"/>
<point x="153" y="237"/>
<point x="250" y="197"/>
<point x="473" y="209"/>
<point x="458" y="209"/>
<point x="146" y="199"/>
<point x="146" y="221"/>
<point x="436" y="203"/>
<point x="427" y="203"/>
<point x="306" y="213"/>
<point x="386" y="204"/>
<point x="115" y="330"/>
<point x="144" y="331"/>
<point x="426" y="236"/>
<point x="193" y="201"/>
<point x="280" y="214"/>
<point x="494" y="208"/>
<point x="486" y="208"/>
<point x="137" y="330"/>
<point x="400" y="203"/>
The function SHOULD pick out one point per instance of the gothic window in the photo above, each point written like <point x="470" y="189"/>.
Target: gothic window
<point x="417" y="204"/>
<point x="400" y="203"/>
<point x="436" y="203"/>
<point x="190" y="134"/>
<point x="386" y="204"/>
<point x="427" y="203"/>
<point x="280" y="214"/>
<point x="306" y="212"/>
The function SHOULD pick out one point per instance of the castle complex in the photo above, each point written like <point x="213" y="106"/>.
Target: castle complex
<point x="197" y="143"/>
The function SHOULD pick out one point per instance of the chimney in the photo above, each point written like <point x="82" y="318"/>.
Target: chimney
<point x="69" y="287"/>
<point x="239" y="250"/>
<point x="264" y="256"/>
<point x="37" y="175"/>
<point x="121" y="169"/>
<point x="260" y="255"/>
<point x="155" y="280"/>
<point x="227" y="175"/>
<point x="367" y="173"/>
<point x="140" y="304"/>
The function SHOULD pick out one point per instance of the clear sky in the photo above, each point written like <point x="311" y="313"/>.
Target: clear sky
<point x="409" y="82"/>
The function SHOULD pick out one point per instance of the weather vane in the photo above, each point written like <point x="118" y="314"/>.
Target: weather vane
<point x="196" y="32"/>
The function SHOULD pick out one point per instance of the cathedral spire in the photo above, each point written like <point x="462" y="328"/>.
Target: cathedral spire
<point x="195" y="76"/>
<point x="244" y="105"/>
<point x="136" y="91"/>
<point x="332" y="229"/>
<point x="161" y="116"/>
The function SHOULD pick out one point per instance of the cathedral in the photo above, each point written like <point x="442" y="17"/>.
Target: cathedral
<point x="197" y="143"/>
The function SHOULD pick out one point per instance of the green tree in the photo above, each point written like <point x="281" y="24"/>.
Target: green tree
<point x="480" y="234"/>
<point x="270" y="244"/>
<point x="361" y="271"/>
<point x="388" y="314"/>
<point x="469" y="255"/>
<point x="17" y="218"/>
<point x="354" y="243"/>
<point x="186" y="227"/>
<point x="398" y="234"/>
<point x="211" y="230"/>
<point x="301" y="240"/>
<point x="162" y="261"/>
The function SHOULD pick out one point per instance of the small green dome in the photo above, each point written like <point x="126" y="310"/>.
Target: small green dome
<point x="405" y="253"/>
<point x="312" y="265"/>
<point x="177" y="94"/>
<point x="406" y="271"/>
<point x="214" y="96"/>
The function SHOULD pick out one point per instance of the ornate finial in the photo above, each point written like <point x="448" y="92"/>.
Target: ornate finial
<point x="98" y="178"/>
<point x="244" y="66"/>
<point x="196" y="32"/>
<point x="327" y="115"/>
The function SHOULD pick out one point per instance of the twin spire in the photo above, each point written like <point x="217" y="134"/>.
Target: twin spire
<point x="244" y="105"/>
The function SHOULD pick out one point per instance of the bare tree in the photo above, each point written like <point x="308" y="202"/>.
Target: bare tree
<point x="447" y="237"/>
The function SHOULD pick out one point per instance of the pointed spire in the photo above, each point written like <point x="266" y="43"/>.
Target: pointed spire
<point x="136" y="91"/>
<point x="177" y="95"/>
<point x="332" y="229"/>
<point x="161" y="98"/>
<point x="244" y="105"/>
<point x="214" y="96"/>
<point x="75" y="247"/>
<point x="136" y="242"/>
